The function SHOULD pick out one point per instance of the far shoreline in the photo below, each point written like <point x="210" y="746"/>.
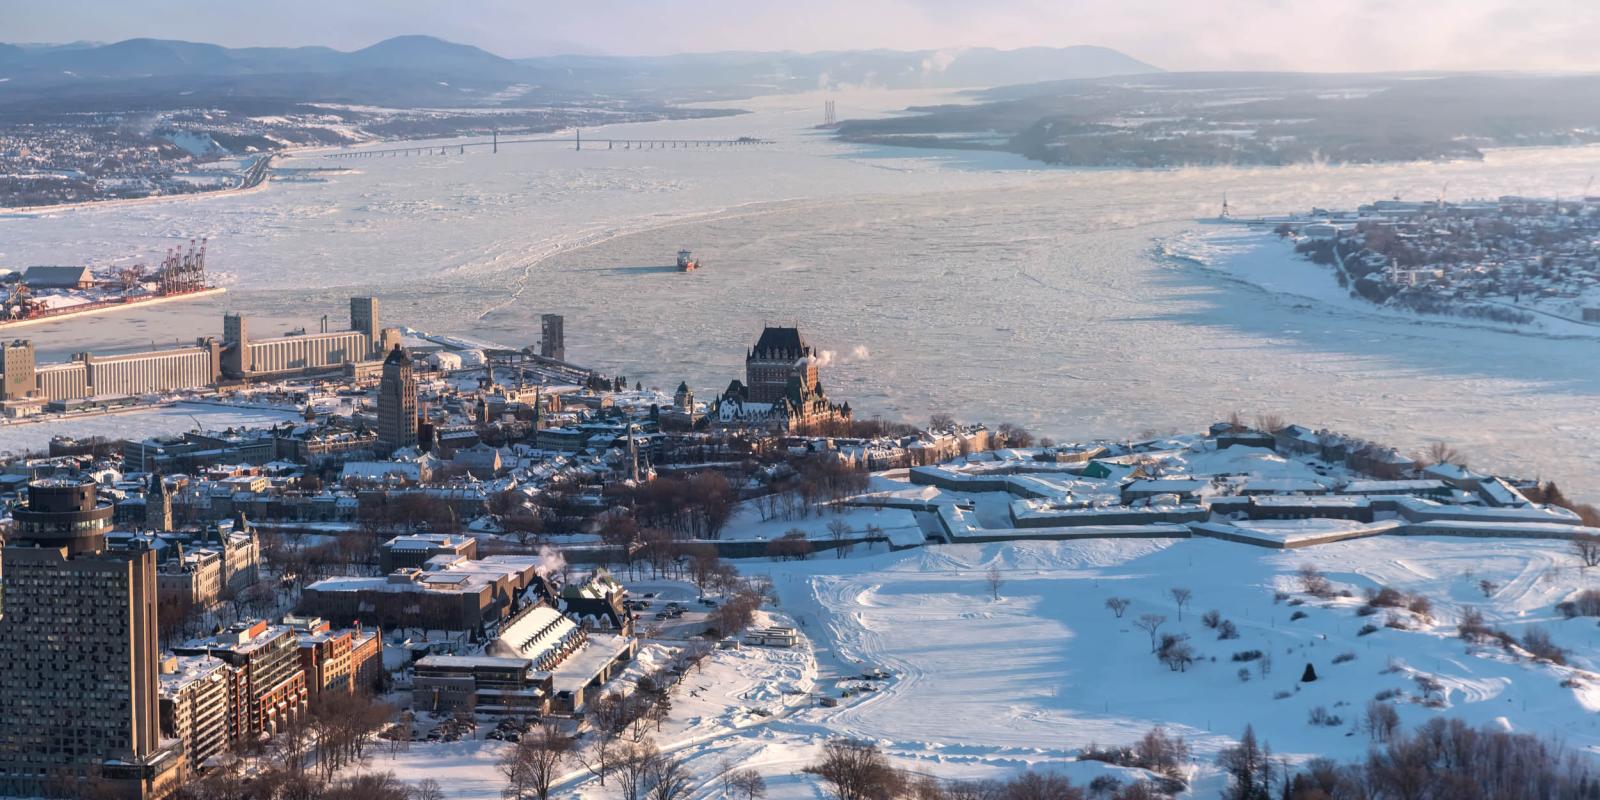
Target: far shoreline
<point x="1243" y="254"/>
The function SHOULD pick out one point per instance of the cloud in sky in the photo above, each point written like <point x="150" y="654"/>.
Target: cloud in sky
<point x="1177" y="34"/>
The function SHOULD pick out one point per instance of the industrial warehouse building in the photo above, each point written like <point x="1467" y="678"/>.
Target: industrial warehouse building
<point x="26" y="385"/>
<point x="244" y="357"/>
<point x="87" y="375"/>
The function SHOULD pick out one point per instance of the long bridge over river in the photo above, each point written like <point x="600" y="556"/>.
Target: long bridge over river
<point x="577" y="141"/>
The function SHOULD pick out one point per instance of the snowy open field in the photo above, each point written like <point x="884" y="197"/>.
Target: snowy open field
<point x="34" y="436"/>
<point x="984" y="687"/>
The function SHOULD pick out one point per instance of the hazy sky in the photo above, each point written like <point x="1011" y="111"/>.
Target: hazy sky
<point x="1176" y="34"/>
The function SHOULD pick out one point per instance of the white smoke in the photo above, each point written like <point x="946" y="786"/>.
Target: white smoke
<point x="828" y="358"/>
<point x="551" y="563"/>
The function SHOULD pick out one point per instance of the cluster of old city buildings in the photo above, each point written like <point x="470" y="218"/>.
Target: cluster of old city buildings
<point x="1529" y="252"/>
<point x="109" y="537"/>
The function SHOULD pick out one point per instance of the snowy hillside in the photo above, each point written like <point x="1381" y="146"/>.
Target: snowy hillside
<point x="980" y="687"/>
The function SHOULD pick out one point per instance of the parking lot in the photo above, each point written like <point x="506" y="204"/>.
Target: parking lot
<point x="687" y="623"/>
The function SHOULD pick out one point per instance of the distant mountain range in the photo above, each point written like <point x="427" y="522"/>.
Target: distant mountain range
<point x="427" y="70"/>
<point x="754" y="73"/>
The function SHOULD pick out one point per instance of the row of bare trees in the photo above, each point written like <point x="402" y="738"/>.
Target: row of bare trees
<point x="305" y="760"/>
<point x="694" y="507"/>
<point x="278" y="786"/>
<point x="639" y="769"/>
<point x="859" y="770"/>
<point x="1444" y="759"/>
<point x="806" y="484"/>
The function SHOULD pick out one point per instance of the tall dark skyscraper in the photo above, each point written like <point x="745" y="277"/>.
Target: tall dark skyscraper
<point x="553" y="337"/>
<point x="397" y="403"/>
<point x="364" y="318"/>
<point x="78" y="694"/>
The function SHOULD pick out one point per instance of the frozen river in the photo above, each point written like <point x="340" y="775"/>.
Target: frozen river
<point x="976" y="284"/>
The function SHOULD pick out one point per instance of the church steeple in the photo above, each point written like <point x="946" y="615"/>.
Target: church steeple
<point x="157" y="505"/>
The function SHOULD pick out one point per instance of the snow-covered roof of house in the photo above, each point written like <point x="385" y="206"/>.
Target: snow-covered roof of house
<point x="599" y="584"/>
<point x="1311" y="501"/>
<point x="423" y="541"/>
<point x="378" y="470"/>
<point x="1395" y="487"/>
<point x="1164" y="485"/>
<point x="1499" y="492"/>
<point x="1452" y="472"/>
<point x="1283" y="485"/>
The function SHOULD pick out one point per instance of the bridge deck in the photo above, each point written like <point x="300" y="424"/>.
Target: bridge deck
<point x="610" y="143"/>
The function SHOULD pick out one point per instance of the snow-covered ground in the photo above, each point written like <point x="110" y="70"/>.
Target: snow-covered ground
<point x="34" y="435"/>
<point x="982" y="687"/>
<point x="748" y="522"/>
<point x="1048" y="669"/>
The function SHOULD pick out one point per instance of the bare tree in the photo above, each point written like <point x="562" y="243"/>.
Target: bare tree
<point x="1443" y="453"/>
<point x="608" y="716"/>
<point x="1150" y="623"/>
<point x="670" y="778"/>
<point x="427" y="789"/>
<point x="1382" y="720"/>
<point x="1586" y="547"/>
<point x="1269" y="423"/>
<point x="1181" y="596"/>
<point x="856" y="770"/>
<point x="749" y="784"/>
<point x="634" y="762"/>
<point x="1014" y="435"/>
<point x="1118" y="605"/>
<point x="1175" y="652"/>
<point x="1313" y="582"/>
<point x="839" y="532"/>
<point x="994" y="580"/>
<point x="533" y="764"/>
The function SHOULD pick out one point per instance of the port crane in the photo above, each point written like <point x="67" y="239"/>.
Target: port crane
<point x="130" y="277"/>
<point x="182" y="270"/>
<point x="18" y="302"/>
